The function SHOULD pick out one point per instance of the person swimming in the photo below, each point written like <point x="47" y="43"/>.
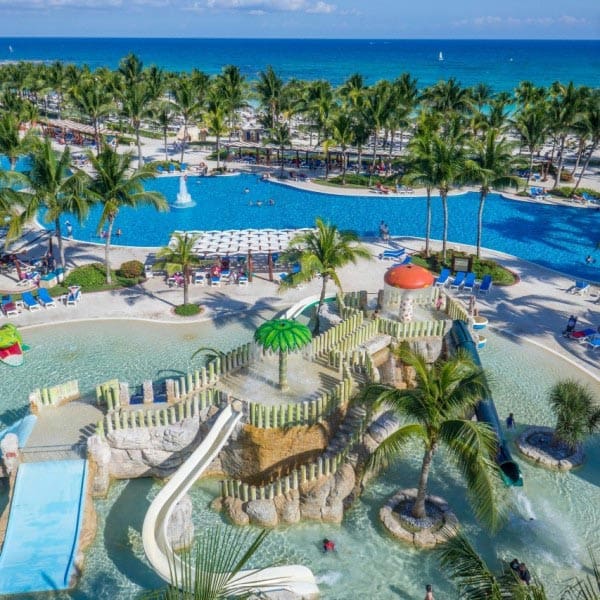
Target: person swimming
<point x="328" y="545"/>
<point x="271" y="202"/>
<point x="246" y="190"/>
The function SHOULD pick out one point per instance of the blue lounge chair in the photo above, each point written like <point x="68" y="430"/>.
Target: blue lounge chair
<point x="443" y="277"/>
<point x="581" y="288"/>
<point x="392" y="254"/>
<point x="486" y="284"/>
<point x="74" y="296"/>
<point x="160" y="170"/>
<point x="45" y="299"/>
<point x="171" y="168"/>
<point x="407" y="259"/>
<point x="469" y="283"/>
<point x="593" y="341"/>
<point x="29" y="301"/>
<point x="458" y="280"/>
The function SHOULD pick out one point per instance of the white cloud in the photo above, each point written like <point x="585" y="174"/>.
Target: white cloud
<point x="261" y="7"/>
<point x="322" y="8"/>
<point x="489" y="20"/>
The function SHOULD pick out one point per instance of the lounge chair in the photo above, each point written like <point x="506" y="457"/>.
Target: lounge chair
<point x="199" y="278"/>
<point x="242" y="280"/>
<point x="443" y="277"/>
<point x="215" y="280"/>
<point x="469" y="282"/>
<point x="581" y="288"/>
<point x="486" y="284"/>
<point x="74" y="296"/>
<point x="582" y="334"/>
<point x="45" y="299"/>
<point x="459" y="279"/>
<point x="9" y="308"/>
<point x="405" y="260"/>
<point x="29" y="301"/>
<point x="593" y="341"/>
<point x="392" y="254"/>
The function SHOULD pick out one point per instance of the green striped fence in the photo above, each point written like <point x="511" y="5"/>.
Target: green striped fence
<point x="156" y="417"/>
<point x="305" y="413"/>
<point x="412" y="329"/>
<point x="358" y="360"/>
<point x="54" y="395"/>
<point x="456" y="310"/>
<point x="327" y="340"/>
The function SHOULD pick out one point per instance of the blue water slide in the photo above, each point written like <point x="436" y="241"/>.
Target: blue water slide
<point x="485" y="410"/>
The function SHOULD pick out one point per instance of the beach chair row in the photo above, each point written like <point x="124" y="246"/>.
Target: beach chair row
<point x="464" y="280"/>
<point x="588" y="336"/>
<point x="10" y="307"/>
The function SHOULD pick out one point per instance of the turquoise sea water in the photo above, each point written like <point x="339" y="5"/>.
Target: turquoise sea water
<point x="562" y="505"/>
<point x="501" y="63"/>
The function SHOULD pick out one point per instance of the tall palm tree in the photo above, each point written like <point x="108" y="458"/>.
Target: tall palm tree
<point x="179" y="255"/>
<point x="376" y="110"/>
<point x="231" y="86"/>
<point x="93" y="100"/>
<point x="577" y="412"/>
<point x="114" y="186"/>
<point x="448" y="167"/>
<point x="448" y="97"/>
<point x="342" y="134"/>
<point x="475" y="580"/>
<point x="164" y="115"/>
<point x="437" y="413"/>
<point x="589" y="127"/>
<point x="532" y="125"/>
<point x="131" y="68"/>
<point x="136" y="101"/>
<point x="490" y="164"/>
<point x="323" y="252"/>
<point x="269" y="90"/>
<point x="53" y="185"/>
<point x="216" y="119"/>
<point x="12" y="145"/>
<point x="187" y="103"/>
<point x="280" y="136"/>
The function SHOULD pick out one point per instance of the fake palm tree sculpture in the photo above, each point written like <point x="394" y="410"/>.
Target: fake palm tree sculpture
<point x="283" y="336"/>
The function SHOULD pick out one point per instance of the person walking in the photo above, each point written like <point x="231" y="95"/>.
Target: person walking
<point x="429" y="592"/>
<point x="510" y="421"/>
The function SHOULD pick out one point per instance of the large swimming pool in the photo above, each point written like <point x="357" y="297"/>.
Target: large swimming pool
<point x="558" y="237"/>
<point x="562" y="505"/>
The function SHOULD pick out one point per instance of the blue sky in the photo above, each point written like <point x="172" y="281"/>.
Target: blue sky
<point x="530" y="19"/>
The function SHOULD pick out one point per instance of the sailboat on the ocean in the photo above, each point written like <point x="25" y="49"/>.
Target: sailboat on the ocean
<point x="441" y="57"/>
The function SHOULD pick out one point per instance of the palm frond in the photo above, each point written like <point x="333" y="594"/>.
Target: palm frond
<point x="392" y="447"/>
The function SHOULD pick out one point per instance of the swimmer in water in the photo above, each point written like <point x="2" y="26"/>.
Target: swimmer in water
<point x="259" y="203"/>
<point x="271" y="202"/>
<point x="246" y="190"/>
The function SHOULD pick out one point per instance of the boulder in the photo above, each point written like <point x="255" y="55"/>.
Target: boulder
<point x="288" y="507"/>
<point x="429" y="347"/>
<point x="262" y="513"/>
<point x="180" y="529"/>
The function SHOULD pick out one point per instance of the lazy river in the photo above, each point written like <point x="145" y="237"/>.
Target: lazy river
<point x="553" y="521"/>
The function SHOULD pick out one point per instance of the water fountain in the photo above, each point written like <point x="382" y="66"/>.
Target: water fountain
<point x="184" y="199"/>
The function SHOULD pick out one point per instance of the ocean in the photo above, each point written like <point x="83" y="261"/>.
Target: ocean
<point x="499" y="63"/>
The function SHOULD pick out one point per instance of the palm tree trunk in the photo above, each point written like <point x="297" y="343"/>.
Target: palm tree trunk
<point x="585" y="166"/>
<point x="59" y="241"/>
<point x="97" y="136"/>
<point x="580" y="150"/>
<point x="185" y="284"/>
<point x="185" y="124"/>
<point x="418" y="510"/>
<point x="344" y="161"/>
<point x="530" y="174"/>
<point x="428" y="223"/>
<point x="482" y="197"/>
<point x="139" y="145"/>
<point x="320" y="305"/>
<point x="444" y="196"/>
<point x="111" y="221"/>
<point x="283" y="359"/>
<point x="374" y="158"/>
<point x="560" y="162"/>
<point x="218" y="152"/>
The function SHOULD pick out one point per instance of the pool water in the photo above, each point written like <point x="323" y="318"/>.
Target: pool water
<point x="563" y="505"/>
<point x="558" y="237"/>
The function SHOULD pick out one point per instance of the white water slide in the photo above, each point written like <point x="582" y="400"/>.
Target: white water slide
<point x="293" y="578"/>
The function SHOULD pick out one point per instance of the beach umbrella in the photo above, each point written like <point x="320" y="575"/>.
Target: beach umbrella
<point x="282" y="336"/>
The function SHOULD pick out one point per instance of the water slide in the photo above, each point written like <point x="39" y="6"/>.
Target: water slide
<point x="165" y="562"/>
<point x="486" y="410"/>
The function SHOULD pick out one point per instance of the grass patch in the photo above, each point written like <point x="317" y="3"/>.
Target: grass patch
<point x="481" y="267"/>
<point x="92" y="278"/>
<point x="187" y="310"/>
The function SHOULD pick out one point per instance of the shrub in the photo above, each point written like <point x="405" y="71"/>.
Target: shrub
<point x="87" y="276"/>
<point x="131" y="269"/>
<point x="187" y="310"/>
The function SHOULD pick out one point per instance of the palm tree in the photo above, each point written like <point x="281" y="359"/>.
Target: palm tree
<point x="589" y="126"/>
<point x="490" y="165"/>
<point x="216" y="119"/>
<point x="269" y="89"/>
<point x="282" y="336"/>
<point x="322" y="252"/>
<point x="475" y="580"/>
<point x="114" y="185"/>
<point x="92" y="100"/>
<point x="53" y="185"/>
<point x="342" y="134"/>
<point x="131" y="69"/>
<point x="280" y="136"/>
<point x="437" y="412"/>
<point x="212" y="570"/>
<point x="376" y="110"/>
<point x="532" y="125"/>
<point x="448" y="97"/>
<point x="11" y="143"/>
<point x="187" y="102"/>
<point x="164" y="116"/>
<point x="135" y="105"/>
<point x="231" y="86"/>
<point x="577" y="413"/>
<point x="179" y="255"/>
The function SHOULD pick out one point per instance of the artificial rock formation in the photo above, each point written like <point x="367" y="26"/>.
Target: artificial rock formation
<point x="537" y="444"/>
<point x="180" y="529"/>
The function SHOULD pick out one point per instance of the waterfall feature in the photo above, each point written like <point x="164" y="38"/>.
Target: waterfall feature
<point x="184" y="200"/>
